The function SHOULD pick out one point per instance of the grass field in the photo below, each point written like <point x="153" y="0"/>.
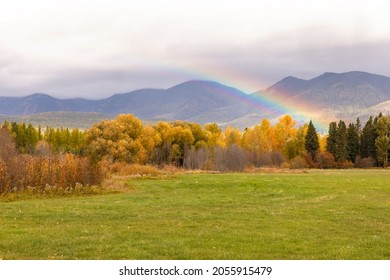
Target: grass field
<point x="314" y="215"/>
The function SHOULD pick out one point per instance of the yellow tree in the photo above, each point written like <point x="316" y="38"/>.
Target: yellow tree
<point x="182" y="139"/>
<point x="382" y="143"/>
<point x="283" y="131"/>
<point x="148" y="141"/>
<point x="322" y="141"/>
<point x="163" y="150"/>
<point x="256" y="140"/>
<point x="295" y="146"/>
<point x="215" y="135"/>
<point x="201" y="137"/>
<point x="176" y="138"/>
<point x="114" y="139"/>
<point x="232" y="136"/>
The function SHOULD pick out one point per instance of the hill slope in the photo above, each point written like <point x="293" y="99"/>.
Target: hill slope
<point x="328" y="97"/>
<point x="200" y="101"/>
<point x="334" y="95"/>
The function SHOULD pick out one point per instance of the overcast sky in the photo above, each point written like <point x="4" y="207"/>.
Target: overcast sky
<point x="93" y="49"/>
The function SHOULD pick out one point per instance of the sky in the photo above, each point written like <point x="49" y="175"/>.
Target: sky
<point x="94" y="49"/>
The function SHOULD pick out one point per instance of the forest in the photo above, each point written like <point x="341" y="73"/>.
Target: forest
<point x="66" y="159"/>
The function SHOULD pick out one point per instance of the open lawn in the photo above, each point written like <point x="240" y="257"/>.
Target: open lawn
<point x="336" y="214"/>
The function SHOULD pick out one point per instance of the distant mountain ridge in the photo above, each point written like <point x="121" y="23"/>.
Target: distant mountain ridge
<point x="198" y="101"/>
<point x="331" y="89"/>
<point x="330" y="96"/>
<point x="334" y="96"/>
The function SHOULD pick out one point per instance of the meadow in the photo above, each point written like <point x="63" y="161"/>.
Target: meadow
<point x="314" y="214"/>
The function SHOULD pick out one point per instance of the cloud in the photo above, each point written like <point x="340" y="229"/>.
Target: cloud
<point x="98" y="48"/>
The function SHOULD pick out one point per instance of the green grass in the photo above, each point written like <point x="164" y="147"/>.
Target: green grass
<point x="315" y="215"/>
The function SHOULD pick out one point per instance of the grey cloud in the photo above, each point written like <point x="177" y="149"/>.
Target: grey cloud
<point x="304" y="54"/>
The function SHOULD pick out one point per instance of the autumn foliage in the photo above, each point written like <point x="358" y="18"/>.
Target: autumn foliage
<point x="192" y="146"/>
<point x="63" y="159"/>
<point x="43" y="169"/>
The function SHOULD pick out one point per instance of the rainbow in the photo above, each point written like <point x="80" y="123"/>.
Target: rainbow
<point x="270" y="105"/>
<point x="302" y="113"/>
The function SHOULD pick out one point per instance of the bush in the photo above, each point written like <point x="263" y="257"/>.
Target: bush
<point x="277" y="158"/>
<point x="297" y="163"/>
<point x="61" y="171"/>
<point x="232" y="158"/>
<point x="4" y="178"/>
<point x="325" y="160"/>
<point x="198" y="158"/>
<point x="310" y="162"/>
<point x="345" y="165"/>
<point x="365" y="162"/>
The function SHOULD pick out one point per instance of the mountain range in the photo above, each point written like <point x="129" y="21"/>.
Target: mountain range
<point x="328" y="97"/>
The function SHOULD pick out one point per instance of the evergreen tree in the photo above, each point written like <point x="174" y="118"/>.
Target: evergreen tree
<point x="341" y="154"/>
<point x="32" y="138"/>
<point x="331" y="140"/>
<point x="368" y="138"/>
<point x="353" y="142"/>
<point x="311" y="140"/>
<point x="40" y="137"/>
<point x="359" y="130"/>
<point x="358" y="126"/>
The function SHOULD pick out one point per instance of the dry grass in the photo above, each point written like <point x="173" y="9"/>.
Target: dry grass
<point x="124" y="169"/>
<point x="274" y="170"/>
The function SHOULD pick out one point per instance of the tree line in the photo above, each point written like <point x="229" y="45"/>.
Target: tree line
<point x="363" y="146"/>
<point x="44" y="160"/>
<point x="36" y="157"/>
<point x="190" y="145"/>
<point x="61" y="140"/>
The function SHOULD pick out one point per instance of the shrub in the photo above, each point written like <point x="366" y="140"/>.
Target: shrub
<point x="297" y="163"/>
<point x="4" y="178"/>
<point x="61" y="171"/>
<point x="344" y="165"/>
<point x="365" y="162"/>
<point x="325" y="160"/>
<point x="232" y="158"/>
<point x="277" y="158"/>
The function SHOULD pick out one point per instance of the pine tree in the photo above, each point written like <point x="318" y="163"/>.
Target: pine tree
<point x="331" y="140"/>
<point x="31" y="138"/>
<point x="311" y="140"/>
<point x="353" y="142"/>
<point x="341" y="154"/>
<point x="40" y="137"/>
<point x="358" y="125"/>
<point x="368" y="137"/>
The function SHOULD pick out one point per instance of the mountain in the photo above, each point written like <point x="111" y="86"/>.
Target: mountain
<point x="333" y="96"/>
<point x="359" y="89"/>
<point x="193" y="100"/>
<point x="40" y="103"/>
<point x="197" y="101"/>
<point x="383" y="107"/>
<point x="328" y="97"/>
